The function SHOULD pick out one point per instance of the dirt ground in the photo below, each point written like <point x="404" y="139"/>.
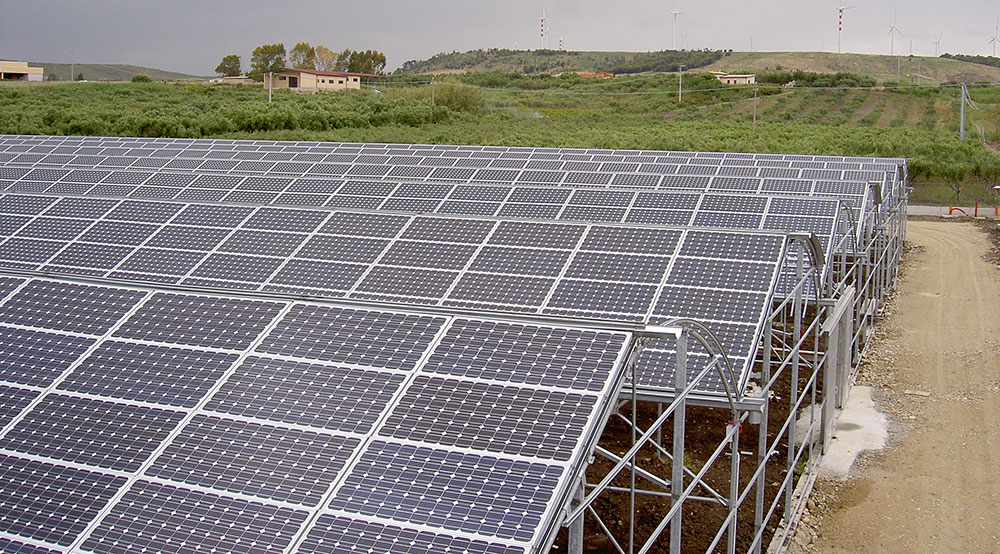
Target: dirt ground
<point x="937" y="487"/>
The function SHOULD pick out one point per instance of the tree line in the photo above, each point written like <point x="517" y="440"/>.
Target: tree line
<point x="274" y="57"/>
<point x="981" y="60"/>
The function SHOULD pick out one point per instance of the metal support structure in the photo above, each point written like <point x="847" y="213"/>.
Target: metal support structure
<point x="677" y="467"/>
<point x="812" y="349"/>
<point x="575" y="545"/>
<point x="794" y="394"/>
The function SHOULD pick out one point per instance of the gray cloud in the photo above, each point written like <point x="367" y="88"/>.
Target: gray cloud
<point x="192" y="36"/>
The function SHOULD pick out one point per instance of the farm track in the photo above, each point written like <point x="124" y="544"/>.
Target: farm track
<point x="891" y="111"/>
<point x="936" y="489"/>
<point x="866" y="108"/>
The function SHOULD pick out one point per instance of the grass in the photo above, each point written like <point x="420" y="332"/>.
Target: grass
<point x="920" y="125"/>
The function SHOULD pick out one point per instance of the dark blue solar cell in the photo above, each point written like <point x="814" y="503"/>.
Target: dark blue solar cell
<point x="343" y="249"/>
<point x="25" y="205"/>
<point x="51" y="502"/>
<point x="234" y="267"/>
<point x="290" y="465"/>
<point x="329" y="276"/>
<point x="147" y="373"/>
<point x="119" y="232"/>
<point x="499" y="497"/>
<point x="8" y="546"/>
<point x="186" y="237"/>
<point x="396" y="281"/>
<point x="8" y="284"/>
<point x="217" y="216"/>
<point x="365" y="225"/>
<point x="279" y="219"/>
<point x="332" y="533"/>
<point x="552" y="357"/>
<point x="152" y="518"/>
<point x="54" y="228"/>
<point x="37" y="358"/>
<point x="69" y="307"/>
<point x="12" y="401"/>
<point x="29" y="250"/>
<point x="93" y="432"/>
<point x="340" y="335"/>
<point x="322" y="396"/>
<point x="9" y="224"/>
<point x="491" y="417"/>
<point x="501" y="289"/>
<point x="95" y="256"/>
<point x="212" y="322"/>
<point x="144" y="212"/>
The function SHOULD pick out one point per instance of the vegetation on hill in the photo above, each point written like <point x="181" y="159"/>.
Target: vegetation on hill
<point x="882" y="68"/>
<point x="640" y="111"/>
<point x="557" y="61"/>
<point x="113" y="72"/>
<point x="991" y="61"/>
<point x="810" y="79"/>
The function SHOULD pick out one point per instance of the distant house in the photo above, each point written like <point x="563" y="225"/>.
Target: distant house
<point x="238" y="80"/>
<point x="736" y="79"/>
<point x="312" y="79"/>
<point x="19" y="71"/>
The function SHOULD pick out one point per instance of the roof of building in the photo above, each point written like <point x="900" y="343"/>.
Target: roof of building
<point x="330" y="73"/>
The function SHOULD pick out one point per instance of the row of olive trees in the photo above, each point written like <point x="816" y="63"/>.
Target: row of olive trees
<point x="273" y="57"/>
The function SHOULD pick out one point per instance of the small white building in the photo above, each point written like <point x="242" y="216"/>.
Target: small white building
<point x="19" y="71"/>
<point x="312" y="79"/>
<point x="736" y="79"/>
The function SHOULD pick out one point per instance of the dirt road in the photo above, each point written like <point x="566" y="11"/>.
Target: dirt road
<point x="938" y="488"/>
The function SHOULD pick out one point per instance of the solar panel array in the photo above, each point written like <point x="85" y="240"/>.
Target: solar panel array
<point x="205" y="423"/>
<point x="704" y="206"/>
<point x="421" y="406"/>
<point x="467" y="164"/>
<point x="579" y="270"/>
<point x="735" y="210"/>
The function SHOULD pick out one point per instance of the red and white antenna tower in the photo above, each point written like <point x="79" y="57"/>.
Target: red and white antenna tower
<point x="840" y="23"/>
<point x="560" y="43"/>
<point x="542" y="34"/>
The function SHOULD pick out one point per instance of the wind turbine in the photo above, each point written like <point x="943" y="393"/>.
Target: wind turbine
<point x="994" y="39"/>
<point x="840" y="22"/>
<point x="937" y="45"/>
<point x="684" y="37"/>
<point x="893" y="28"/>
<point x="673" y="30"/>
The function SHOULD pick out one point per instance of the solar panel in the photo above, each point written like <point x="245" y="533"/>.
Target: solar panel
<point x="210" y="422"/>
<point x="93" y="432"/>
<point x="430" y="260"/>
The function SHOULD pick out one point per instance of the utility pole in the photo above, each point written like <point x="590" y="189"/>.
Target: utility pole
<point x="961" y="124"/>
<point x="755" y="101"/>
<point x="680" y="82"/>
<point x="432" y="90"/>
<point x="270" y="85"/>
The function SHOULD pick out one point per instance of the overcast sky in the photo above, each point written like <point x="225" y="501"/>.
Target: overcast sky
<point x="191" y="36"/>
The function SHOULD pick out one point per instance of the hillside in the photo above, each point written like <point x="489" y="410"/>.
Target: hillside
<point x="111" y="72"/>
<point x="882" y="68"/>
<point x="558" y="61"/>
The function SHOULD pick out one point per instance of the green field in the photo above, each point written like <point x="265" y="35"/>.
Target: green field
<point x="626" y="112"/>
